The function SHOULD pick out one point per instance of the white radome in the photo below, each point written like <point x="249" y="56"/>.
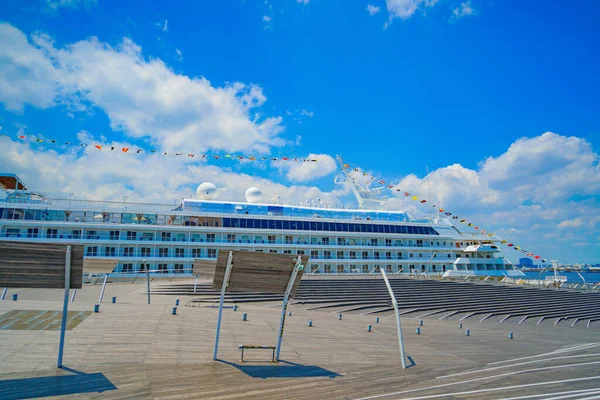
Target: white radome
<point x="206" y="191"/>
<point x="253" y="195"/>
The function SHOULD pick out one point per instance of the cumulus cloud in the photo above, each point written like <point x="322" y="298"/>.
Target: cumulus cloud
<point x="405" y="9"/>
<point x="26" y="75"/>
<point x="527" y="194"/>
<point x="372" y="10"/>
<point x="306" y="171"/>
<point x="463" y="10"/>
<point x="142" y="97"/>
<point x="104" y="175"/>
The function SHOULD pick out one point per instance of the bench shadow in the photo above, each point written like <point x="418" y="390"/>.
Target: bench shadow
<point x="412" y="362"/>
<point x="283" y="369"/>
<point x="31" y="388"/>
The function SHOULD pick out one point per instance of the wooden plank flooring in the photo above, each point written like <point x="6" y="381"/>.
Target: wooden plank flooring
<point x="145" y="352"/>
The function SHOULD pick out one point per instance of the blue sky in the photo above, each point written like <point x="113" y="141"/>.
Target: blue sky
<point x="467" y="88"/>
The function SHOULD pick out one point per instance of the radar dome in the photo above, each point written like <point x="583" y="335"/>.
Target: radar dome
<point x="206" y="191"/>
<point x="253" y="195"/>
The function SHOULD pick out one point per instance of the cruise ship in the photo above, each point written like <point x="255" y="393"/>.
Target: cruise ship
<point x="168" y="238"/>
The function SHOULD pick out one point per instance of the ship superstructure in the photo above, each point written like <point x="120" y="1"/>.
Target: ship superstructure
<point x="168" y="238"/>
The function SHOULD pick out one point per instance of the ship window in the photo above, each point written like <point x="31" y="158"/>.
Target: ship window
<point x="243" y="223"/>
<point x="339" y="227"/>
<point x="325" y="226"/>
<point x="285" y="224"/>
<point x="319" y="225"/>
<point x="293" y="225"/>
<point x="272" y="224"/>
<point x="345" y="226"/>
<point x="306" y="225"/>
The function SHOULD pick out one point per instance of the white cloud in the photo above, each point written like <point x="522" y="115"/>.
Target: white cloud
<point x="306" y="171"/>
<point x="570" y="223"/>
<point x="105" y="175"/>
<point x="464" y="10"/>
<point x="372" y="10"/>
<point x="26" y="75"/>
<point x="268" y="22"/>
<point x="165" y="26"/>
<point x="303" y="1"/>
<point x="528" y="191"/>
<point x="405" y="9"/>
<point x="307" y="113"/>
<point x="56" y="4"/>
<point x="142" y="97"/>
<point x="179" y="55"/>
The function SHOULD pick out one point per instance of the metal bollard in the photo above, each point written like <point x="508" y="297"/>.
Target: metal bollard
<point x="235" y="307"/>
<point x="15" y="296"/>
<point x="244" y="317"/>
<point x="510" y="335"/>
<point x="418" y="330"/>
<point x="114" y="299"/>
<point x="460" y="325"/>
<point x="174" y="310"/>
<point x="467" y="332"/>
<point x="368" y="328"/>
<point x="340" y="316"/>
<point x="176" y="302"/>
<point x="96" y="307"/>
<point x="421" y="322"/>
<point x="377" y="320"/>
<point x="309" y="323"/>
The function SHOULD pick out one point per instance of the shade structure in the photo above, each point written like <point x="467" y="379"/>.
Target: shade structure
<point x="257" y="272"/>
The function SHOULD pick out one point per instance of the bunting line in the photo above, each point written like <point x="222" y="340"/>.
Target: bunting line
<point x="137" y="150"/>
<point x="442" y="212"/>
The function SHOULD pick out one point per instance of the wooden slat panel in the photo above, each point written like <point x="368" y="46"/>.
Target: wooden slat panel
<point x="39" y="265"/>
<point x="99" y="265"/>
<point x="204" y="268"/>
<point x="257" y="272"/>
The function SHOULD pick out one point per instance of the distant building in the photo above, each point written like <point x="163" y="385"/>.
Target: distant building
<point x="526" y="262"/>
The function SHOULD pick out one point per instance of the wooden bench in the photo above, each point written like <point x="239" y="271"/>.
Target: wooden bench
<point x="252" y="346"/>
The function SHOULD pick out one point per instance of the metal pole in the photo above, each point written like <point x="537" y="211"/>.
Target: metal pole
<point x="395" y="304"/>
<point x="223" y="287"/>
<point x="4" y="293"/>
<point x="195" y="283"/>
<point x="63" y="325"/>
<point x="286" y="297"/>
<point x="103" y="287"/>
<point x="73" y="295"/>
<point x="148" y="280"/>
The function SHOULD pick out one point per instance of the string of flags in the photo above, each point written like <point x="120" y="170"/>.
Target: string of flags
<point x="441" y="211"/>
<point x="137" y="150"/>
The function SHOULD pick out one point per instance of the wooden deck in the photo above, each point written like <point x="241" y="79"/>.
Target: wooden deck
<point x="135" y="350"/>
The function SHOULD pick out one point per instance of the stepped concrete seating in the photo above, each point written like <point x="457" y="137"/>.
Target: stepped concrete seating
<point x="442" y="299"/>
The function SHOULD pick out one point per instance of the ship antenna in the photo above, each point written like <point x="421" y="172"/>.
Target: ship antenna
<point x="428" y="189"/>
<point x="353" y="184"/>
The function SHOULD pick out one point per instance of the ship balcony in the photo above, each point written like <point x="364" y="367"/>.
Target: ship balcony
<point x="127" y="239"/>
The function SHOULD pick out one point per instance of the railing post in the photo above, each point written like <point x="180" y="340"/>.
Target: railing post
<point x="221" y="301"/>
<point x="63" y="325"/>
<point x="398" y="327"/>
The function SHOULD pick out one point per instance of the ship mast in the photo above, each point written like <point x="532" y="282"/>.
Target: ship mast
<point x="361" y="190"/>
